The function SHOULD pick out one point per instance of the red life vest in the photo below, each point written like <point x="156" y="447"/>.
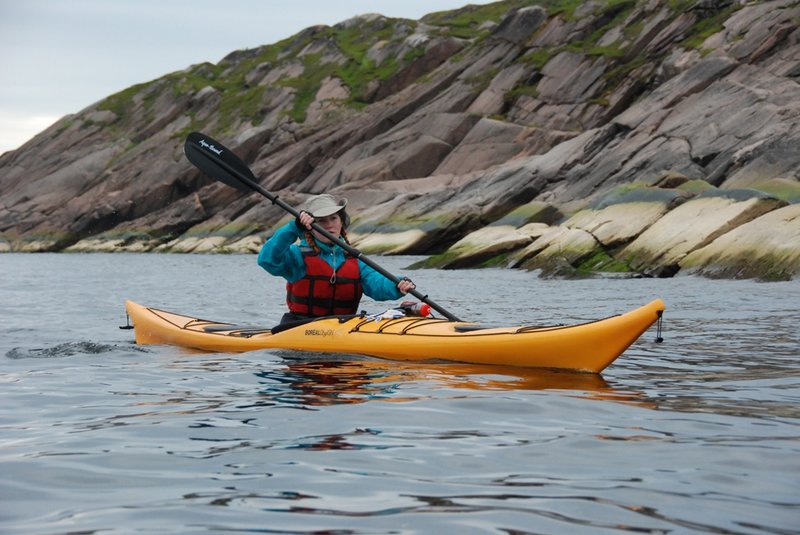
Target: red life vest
<point x="319" y="293"/>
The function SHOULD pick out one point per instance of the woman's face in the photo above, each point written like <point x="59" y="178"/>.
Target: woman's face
<point x="331" y="223"/>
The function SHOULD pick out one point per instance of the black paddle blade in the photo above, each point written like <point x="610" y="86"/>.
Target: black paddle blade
<point x="217" y="161"/>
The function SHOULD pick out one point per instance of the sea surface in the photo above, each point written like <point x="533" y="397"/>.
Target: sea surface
<point x="698" y="434"/>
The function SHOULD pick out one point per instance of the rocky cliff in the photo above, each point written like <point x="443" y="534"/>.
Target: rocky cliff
<point x="621" y="135"/>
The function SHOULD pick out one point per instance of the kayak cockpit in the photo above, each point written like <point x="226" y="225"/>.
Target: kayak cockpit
<point x="251" y="330"/>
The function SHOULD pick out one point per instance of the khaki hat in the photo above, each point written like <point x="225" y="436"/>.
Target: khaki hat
<point x="324" y="205"/>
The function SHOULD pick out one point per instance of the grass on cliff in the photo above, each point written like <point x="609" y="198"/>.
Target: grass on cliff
<point x="609" y="15"/>
<point x="704" y="28"/>
<point x="242" y="101"/>
<point x="465" y="23"/>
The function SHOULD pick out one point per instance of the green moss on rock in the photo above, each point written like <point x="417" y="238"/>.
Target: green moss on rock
<point x="696" y="186"/>
<point x="602" y="262"/>
<point x="500" y="260"/>
<point x="533" y="212"/>
<point x="436" y="261"/>
<point x="634" y="193"/>
<point x="766" y="267"/>
<point x="781" y="188"/>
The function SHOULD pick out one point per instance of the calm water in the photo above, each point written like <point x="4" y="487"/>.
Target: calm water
<point x="700" y="434"/>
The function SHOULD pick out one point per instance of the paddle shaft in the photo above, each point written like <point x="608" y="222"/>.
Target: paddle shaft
<point x="230" y="164"/>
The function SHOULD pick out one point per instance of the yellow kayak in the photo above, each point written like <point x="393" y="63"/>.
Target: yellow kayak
<point x="588" y="347"/>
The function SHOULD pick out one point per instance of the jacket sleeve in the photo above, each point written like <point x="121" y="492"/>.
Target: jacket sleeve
<point x="376" y="285"/>
<point x="280" y="256"/>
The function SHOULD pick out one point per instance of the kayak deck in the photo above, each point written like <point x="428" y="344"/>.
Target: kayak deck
<point x="589" y="347"/>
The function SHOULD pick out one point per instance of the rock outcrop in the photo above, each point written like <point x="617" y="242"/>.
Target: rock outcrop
<point x="628" y="136"/>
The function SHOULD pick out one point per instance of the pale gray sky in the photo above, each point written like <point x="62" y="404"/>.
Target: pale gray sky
<point x="59" y="56"/>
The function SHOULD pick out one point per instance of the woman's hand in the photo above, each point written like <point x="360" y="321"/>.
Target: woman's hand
<point x="304" y="220"/>
<point x="405" y="285"/>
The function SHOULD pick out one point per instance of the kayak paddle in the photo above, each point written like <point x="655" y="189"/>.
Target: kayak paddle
<point x="218" y="162"/>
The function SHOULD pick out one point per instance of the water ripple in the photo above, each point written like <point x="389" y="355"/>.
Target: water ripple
<point x="70" y="349"/>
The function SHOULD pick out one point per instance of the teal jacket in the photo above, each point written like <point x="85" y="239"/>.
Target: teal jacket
<point x="281" y="256"/>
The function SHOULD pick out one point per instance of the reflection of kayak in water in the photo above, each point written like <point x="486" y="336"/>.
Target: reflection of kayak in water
<point x="329" y="382"/>
<point x="585" y="347"/>
<point x="320" y="379"/>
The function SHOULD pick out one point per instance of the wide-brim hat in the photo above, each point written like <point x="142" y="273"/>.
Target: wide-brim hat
<point x="324" y="205"/>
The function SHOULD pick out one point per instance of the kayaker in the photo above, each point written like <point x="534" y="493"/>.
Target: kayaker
<point x="322" y="279"/>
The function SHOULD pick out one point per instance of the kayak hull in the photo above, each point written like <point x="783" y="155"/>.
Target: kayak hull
<point x="588" y="347"/>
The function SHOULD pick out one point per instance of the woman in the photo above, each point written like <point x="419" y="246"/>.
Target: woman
<point x="322" y="279"/>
